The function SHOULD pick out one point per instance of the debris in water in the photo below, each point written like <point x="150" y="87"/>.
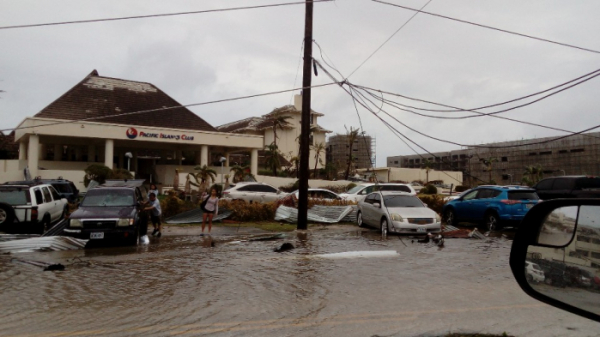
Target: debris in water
<point x="51" y="243"/>
<point x="46" y="266"/>
<point x="284" y="247"/>
<point x="347" y="255"/>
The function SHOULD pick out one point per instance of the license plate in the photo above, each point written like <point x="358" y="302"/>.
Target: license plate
<point x="99" y="235"/>
<point x="528" y="206"/>
<point x="421" y="230"/>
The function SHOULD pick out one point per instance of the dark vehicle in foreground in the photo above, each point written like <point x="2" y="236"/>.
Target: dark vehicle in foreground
<point x="568" y="187"/>
<point x="553" y="234"/>
<point x="494" y="206"/>
<point x="110" y="212"/>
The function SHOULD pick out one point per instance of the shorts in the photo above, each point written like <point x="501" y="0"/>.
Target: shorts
<point x="155" y="219"/>
<point x="209" y="212"/>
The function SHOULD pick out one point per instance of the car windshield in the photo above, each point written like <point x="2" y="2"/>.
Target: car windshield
<point x="522" y="195"/>
<point x="402" y="201"/>
<point x="15" y="196"/>
<point x="355" y="189"/>
<point x="108" y="197"/>
<point x="399" y="188"/>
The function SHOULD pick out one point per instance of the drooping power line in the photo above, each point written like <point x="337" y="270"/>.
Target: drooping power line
<point x="159" y="15"/>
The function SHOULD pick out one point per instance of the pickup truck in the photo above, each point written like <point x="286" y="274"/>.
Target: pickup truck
<point x="30" y="207"/>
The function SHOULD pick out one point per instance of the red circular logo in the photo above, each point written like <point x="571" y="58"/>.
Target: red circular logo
<point x="131" y="133"/>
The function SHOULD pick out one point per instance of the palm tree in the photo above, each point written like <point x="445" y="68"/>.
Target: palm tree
<point x="204" y="173"/>
<point x="535" y="173"/>
<point x="427" y="167"/>
<point x="318" y="148"/>
<point x="272" y="157"/>
<point x="488" y="163"/>
<point x="279" y="122"/>
<point x="240" y="173"/>
<point x="351" y="135"/>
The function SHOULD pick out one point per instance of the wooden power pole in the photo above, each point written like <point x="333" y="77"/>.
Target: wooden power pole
<point x="305" y="127"/>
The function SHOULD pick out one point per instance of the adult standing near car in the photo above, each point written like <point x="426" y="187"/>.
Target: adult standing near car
<point x="210" y="206"/>
<point x="155" y="212"/>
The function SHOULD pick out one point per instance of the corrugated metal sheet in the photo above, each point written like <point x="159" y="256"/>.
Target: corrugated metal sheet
<point x="350" y="217"/>
<point x="194" y="216"/>
<point x="328" y="214"/>
<point x="42" y="244"/>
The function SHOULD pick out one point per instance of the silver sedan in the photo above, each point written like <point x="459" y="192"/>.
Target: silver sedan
<point x="397" y="212"/>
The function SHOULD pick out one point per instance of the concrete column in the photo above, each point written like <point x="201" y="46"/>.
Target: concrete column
<point x="78" y="153"/>
<point x="254" y="162"/>
<point x="58" y="150"/>
<point x="92" y="153"/>
<point x="204" y="155"/>
<point x="226" y="159"/>
<point x="109" y="152"/>
<point x="33" y="153"/>
<point x="22" y="151"/>
<point x="42" y="152"/>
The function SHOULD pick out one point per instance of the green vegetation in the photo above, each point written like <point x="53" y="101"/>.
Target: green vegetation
<point x="101" y="173"/>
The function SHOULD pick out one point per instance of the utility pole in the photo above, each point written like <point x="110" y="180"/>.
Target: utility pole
<point x="305" y="127"/>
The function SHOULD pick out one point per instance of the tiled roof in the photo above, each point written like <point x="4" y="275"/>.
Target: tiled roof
<point x="98" y="98"/>
<point x="289" y="109"/>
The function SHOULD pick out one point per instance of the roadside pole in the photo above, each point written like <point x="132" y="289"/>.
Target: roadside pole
<point x="305" y="127"/>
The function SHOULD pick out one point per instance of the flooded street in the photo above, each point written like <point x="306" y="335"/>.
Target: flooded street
<point x="190" y="285"/>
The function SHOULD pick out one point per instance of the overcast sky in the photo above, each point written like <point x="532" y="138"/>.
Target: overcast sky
<point x="204" y="57"/>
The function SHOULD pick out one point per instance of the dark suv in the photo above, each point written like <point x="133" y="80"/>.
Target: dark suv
<point x="494" y="206"/>
<point x="110" y="212"/>
<point x="568" y="187"/>
<point x="65" y="188"/>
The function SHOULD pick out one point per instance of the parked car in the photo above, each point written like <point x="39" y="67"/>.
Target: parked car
<point x="252" y="192"/>
<point x="494" y="206"/>
<point x="568" y="187"/>
<point x="534" y="272"/>
<point x="110" y="212"/>
<point x="359" y="192"/>
<point x="65" y="188"/>
<point x="316" y="193"/>
<point x="30" y="207"/>
<point x="397" y="212"/>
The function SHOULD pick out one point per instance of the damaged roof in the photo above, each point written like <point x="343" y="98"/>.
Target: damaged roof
<point x="104" y="100"/>
<point x="253" y="124"/>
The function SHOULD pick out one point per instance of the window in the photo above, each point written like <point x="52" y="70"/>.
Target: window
<point x="55" y="194"/>
<point x="563" y="151"/>
<point x="470" y="195"/>
<point x="545" y="153"/>
<point x="533" y="153"/>
<point x="395" y="162"/>
<point x="47" y="197"/>
<point x="487" y="193"/>
<point x="522" y="195"/>
<point x="582" y="252"/>
<point x="38" y="196"/>
<point x="266" y="188"/>
<point x="577" y="150"/>
<point x="545" y="184"/>
<point x="563" y="184"/>
<point x="583" y="238"/>
<point x="504" y="158"/>
<point x="596" y="255"/>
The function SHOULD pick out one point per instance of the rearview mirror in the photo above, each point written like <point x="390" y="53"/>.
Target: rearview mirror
<point x="555" y="256"/>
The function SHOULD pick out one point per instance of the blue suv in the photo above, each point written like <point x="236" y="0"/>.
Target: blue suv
<point x="494" y="206"/>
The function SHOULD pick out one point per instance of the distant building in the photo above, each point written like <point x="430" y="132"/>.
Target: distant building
<point x="574" y="155"/>
<point x="363" y="152"/>
<point x="288" y="138"/>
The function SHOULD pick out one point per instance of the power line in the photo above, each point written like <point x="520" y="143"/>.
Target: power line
<point x="168" y="108"/>
<point x="490" y="27"/>
<point x="388" y="39"/>
<point x="161" y="15"/>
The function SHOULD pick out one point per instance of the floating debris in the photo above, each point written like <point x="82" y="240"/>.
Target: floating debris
<point x="57" y="229"/>
<point x="359" y="254"/>
<point x="194" y="216"/>
<point x="42" y="244"/>
<point x="326" y="214"/>
<point x="284" y="247"/>
<point x="44" y="265"/>
<point x="334" y="211"/>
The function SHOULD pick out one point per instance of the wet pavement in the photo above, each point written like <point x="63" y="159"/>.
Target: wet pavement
<point x="338" y="281"/>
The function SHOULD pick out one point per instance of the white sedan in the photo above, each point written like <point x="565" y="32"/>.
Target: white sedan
<point x="397" y="212"/>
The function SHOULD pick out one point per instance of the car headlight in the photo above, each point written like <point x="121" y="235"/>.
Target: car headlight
<point x="438" y="218"/>
<point x="75" y="223"/>
<point x="125" y="222"/>
<point x="396" y="217"/>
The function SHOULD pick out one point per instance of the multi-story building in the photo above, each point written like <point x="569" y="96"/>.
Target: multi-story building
<point x="506" y="162"/>
<point x="363" y="151"/>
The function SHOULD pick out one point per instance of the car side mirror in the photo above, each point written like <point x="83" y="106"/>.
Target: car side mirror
<point x="555" y="255"/>
<point x="377" y="205"/>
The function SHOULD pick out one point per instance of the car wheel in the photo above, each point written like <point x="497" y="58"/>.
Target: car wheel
<point x="450" y="217"/>
<point x="7" y="214"/>
<point x="384" y="227"/>
<point x="133" y="241"/>
<point x="359" y="220"/>
<point x="44" y="225"/>
<point x="492" y="222"/>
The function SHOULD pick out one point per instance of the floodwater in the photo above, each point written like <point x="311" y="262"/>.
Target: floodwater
<point x="339" y="281"/>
